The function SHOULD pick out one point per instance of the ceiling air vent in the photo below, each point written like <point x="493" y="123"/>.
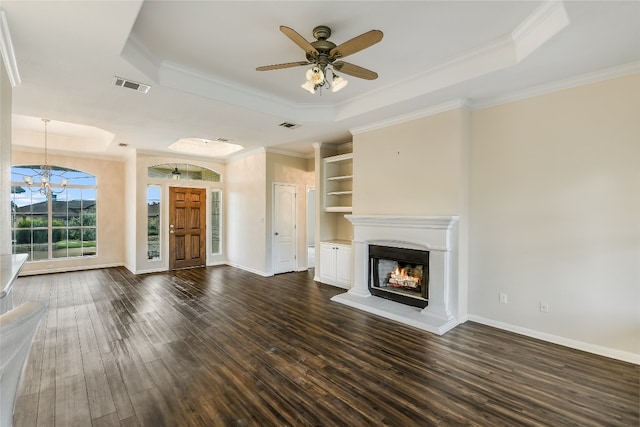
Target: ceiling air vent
<point x="288" y="125"/>
<point x="129" y="84"/>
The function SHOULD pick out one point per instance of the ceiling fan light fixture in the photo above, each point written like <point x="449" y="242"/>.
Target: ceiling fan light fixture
<point x="315" y="75"/>
<point x="309" y="87"/>
<point x="338" y="83"/>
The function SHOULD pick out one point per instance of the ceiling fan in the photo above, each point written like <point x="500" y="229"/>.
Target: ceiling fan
<point x="324" y="55"/>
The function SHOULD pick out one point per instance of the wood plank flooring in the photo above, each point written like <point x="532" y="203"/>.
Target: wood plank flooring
<point x="220" y="346"/>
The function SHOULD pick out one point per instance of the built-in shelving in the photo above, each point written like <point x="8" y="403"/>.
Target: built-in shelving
<point x="338" y="177"/>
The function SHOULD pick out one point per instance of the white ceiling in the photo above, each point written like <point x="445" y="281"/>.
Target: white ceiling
<point x="200" y="59"/>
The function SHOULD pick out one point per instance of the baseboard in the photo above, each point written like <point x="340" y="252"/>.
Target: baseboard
<point x="624" y="356"/>
<point x="250" y="270"/>
<point x="151" y="270"/>
<point x="68" y="269"/>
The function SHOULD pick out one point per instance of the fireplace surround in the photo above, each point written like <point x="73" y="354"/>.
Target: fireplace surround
<point x="436" y="234"/>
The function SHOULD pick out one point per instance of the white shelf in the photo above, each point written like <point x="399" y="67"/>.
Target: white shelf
<point x="338" y="209"/>
<point x="338" y="183"/>
<point x="340" y="178"/>
<point x="339" y="158"/>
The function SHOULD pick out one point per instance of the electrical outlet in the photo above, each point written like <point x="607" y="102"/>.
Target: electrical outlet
<point x="544" y="306"/>
<point x="503" y="298"/>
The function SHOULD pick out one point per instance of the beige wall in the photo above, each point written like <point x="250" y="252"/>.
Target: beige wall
<point x="555" y="214"/>
<point x="110" y="210"/>
<point x="245" y="185"/>
<point x="412" y="168"/>
<point x="284" y="169"/>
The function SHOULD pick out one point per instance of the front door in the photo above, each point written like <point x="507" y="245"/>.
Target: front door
<point x="187" y="227"/>
<point x="284" y="228"/>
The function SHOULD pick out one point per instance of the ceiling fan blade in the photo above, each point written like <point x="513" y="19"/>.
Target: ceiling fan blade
<point x="286" y="65"/>
<point x="354" y="70"/>
<point x="356" y="44"/>
<point x="299" y="40"/>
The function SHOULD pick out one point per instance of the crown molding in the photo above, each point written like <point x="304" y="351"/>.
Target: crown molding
<point x="6" y="49"/>
<point x="576" y="81"/>
<point x="544" y="23"/>
<point x="280" y="151"/>
<point x="436" y="109"/>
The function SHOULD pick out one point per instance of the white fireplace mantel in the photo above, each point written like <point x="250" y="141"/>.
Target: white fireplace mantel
<point x="438" y="235"/>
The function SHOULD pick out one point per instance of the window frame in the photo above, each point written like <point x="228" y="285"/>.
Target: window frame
<point x="61" y="193"/>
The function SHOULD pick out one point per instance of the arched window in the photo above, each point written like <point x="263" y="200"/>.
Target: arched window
<point x="183" y="171"/>
<point x="55" y="221"/>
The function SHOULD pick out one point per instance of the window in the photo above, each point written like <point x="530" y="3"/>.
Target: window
<point x="60" y="225"/>
<point x="183" y="171"/>
<point x="153" y="222"/>
<point x="216" y="224"/>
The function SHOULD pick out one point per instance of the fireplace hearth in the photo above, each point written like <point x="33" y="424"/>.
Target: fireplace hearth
<point x="399" y="274"/>
<point x="429" y="299"/>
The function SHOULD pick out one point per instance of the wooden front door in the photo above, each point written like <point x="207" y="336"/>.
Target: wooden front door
<point x="187" y="227"/>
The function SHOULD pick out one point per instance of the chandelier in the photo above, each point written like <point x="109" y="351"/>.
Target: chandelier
<point x="46" y="174"/>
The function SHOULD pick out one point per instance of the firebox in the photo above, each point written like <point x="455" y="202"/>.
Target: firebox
<point x="399" y="274"/>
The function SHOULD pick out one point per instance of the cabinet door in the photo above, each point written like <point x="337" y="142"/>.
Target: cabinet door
<point x="327" y="262"/>
<point x="343" y="266"/>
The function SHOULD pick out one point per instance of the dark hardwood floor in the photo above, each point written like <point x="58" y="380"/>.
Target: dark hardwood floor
<point x="223" y="347"/>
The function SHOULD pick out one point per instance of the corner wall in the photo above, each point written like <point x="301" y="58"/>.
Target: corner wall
<point x="5" y="160"/>
<point x="246" y="213"/>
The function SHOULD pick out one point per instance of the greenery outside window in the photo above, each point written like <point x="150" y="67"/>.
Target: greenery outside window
<point x="216" y="221"/>
<point x="153" y="222"/>
<point x="62" y="224"/>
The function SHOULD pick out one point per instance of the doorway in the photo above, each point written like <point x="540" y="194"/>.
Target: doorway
<point x="187" y="227"/>
<point x="311" y="227"/>
<point x="284" y="228"/>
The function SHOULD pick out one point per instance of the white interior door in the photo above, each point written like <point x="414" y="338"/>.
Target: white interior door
<point x="284" y="228"/>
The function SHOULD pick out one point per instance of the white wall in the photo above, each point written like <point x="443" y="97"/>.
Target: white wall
<point x="245" y="188"/>
<point x="5" y="161"/>
<point x="555" y="214"/>
<point x="130" y="206"/>
<point x="110" y="211"/>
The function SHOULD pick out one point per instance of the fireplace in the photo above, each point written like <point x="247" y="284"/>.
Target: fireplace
<point x="399" y="274"/>
<point x="430" y="302"/>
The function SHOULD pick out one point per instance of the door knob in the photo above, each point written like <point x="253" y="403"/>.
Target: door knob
<point x="276" y="233"/>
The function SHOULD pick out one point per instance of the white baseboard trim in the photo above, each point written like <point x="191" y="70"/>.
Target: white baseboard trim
<point x="624" y="356"/>
<point x="250" y="270"/>
<point x="68" y="269"/>
<point x="150" y="270"/>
